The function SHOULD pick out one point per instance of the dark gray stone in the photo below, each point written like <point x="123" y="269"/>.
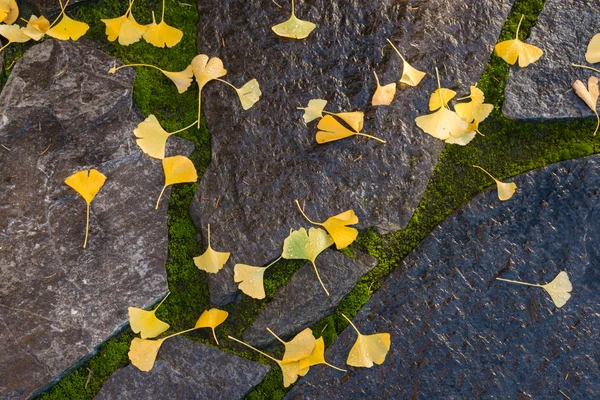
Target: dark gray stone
<point x="542" y="91"/>
<point x="62" y="112"/>
<point x="303" y="302"/>
<point x="457" y="332"/>
<point x="186" y="370"/>
<point x="264" y="158"/>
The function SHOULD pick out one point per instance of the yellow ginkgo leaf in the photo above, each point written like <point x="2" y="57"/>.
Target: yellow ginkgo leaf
<point x="177" y="169"/>
<point x="143" y="352"/>
<point x="206" y="70"/>
<point x="181" y="79"/>
<point x="589" y="96"/>
<point x="211" y="319"/>
<point x="410" y="75"/>
<point x="67" y="28"/>
<point x="125" y="28"/>
<point x="354" y="119"/>
<point x="440" y="95"/>
<point x="4" y="9"/>
<point x="466" y="137"/>
<point x="383" y="94"/>
<point x="337" y="227"/>
<point x="475" y="109"/>
<point x="146" y="323"/>
<point x="330" y="130"/>
<point x="152" y="138"/>
<point x="559" y="289"/>
<point x="511" y="50"/>
<point x="36" y="27"/>
<point x="301" y="346"/>
<point x="87" y="184"/>
<point x="251" y="279"/>
<point x="317" y="357"/>
<point x="294" y="28"/>
<point x="14" y="34"/>
<point x="368" y="349"/>
<point x="9" y="11"/>
<point x="592" y="55"/>
<point x="249" y="94"/>
<point x="161" y="34"/>
<point x="314" y="110"/>
<point x="211" y="261"/>
<point x="505" y="190"/>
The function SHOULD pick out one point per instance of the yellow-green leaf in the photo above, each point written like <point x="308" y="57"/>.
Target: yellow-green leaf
<point x="211" y="261"/>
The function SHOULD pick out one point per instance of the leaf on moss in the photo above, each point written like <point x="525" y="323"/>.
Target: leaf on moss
<point x="337" y="227"/>
<point x="294" y="27"/>
<point x="589" y="96"/>
<point x="14" y="34"/>
<point x="177" y="169"/>
<point x="559" y="289"/>
<point x="211" y="261"/>
<point x="181" y="79"/>
<point x="384" y="95"/>
<point x="143" y="353"/>
<point x="145" y="322"/>
<point x="368" y="349"/>
<point x="206" y="70"/>
<point x="511" y="50"/>
<point x="125" y="28"/>
<point x="251" y="279"/>
<point x="87" y="184"/>
<point x="410" y="75"/>
<point x="152" y="138"/>
<point x="476" y="109"/>
<point x="313" y="110"/>
<point x="161" y="34"/>
<point x="67" y="28"/>
<point x="211" y="319"/>
<point x="505" y="190"/>
<point x="36" y="27"/>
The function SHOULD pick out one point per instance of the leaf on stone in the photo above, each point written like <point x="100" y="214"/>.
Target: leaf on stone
<point x="314" y="110"/>
<point x="146" y="323"/>
<point x="125" y="28"/>
<point x="505" y="190"/>
<point x="211" y="319"/>
<point x="511" y="50"/>
<point x="14" y="34"/>
<point x="152" y="138"/>
<point x="177" y="169"/>
<point x="67" y="28"/>
<point x="436" y="98"/>
<point x="251" y="279"/>
<point x="475" y="109"/>
<point x="36" y="27"/>
<point x="206" y="70"/>
<point x="592" y="54"/>
<point x="161" y="34"/>
<point x="301" y="346"/>
<point x="211" y="261"/>
<point x="368" y="349"/>
<point x="559" y="289"/>
<point x="87" y="184"/>
<point x="294" y="28"/>
<point x="410" y="75"/>
<point x="330" y="130"/>
<point x="143" y="352"/>
<point x="317" y="357"/>
<point x="248" y="94"/>
<point x="337" y="227"/>
<point x="383" y="94"/>
<point x="181" y="79"/>
<point x="354" y="119"/>
<point x="589" y="96"/>
<point x="9" y="11"/>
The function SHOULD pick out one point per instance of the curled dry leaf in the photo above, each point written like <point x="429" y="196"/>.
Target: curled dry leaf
<point x="476" y="109"/>
<point x="36" y="27"/>
<point x="589" y="95"/>
<point x="14" y="34"/>
<point x="559" y="289"/>
<point x="177" y="169"/>
<point x="211" y="319"/>
<point x="337" y="227"/>
<point x="505" y="190"/>
<point x="67" y="28"/>
<point x="511" y="50"/>
<point x="313" y="110"/>
<point x="9" y="11"/>
<point x="146" y="323"/>
<point x="206" y="70"/>
<point x="87" y="184"/>
<point x="384" y="95"/>
<point x="440" y="95"/>
<point x="330" y="130"/>
<point x="211" y="261"/>
<point x="125" y="28"/>
<point x="249" y="94"/>
<point x="410" y="75"/>
<point x="251" y="279"/>
<point x="152" y="138"/>
<point x="294" y="28"/>
<point x="368" y="349"/>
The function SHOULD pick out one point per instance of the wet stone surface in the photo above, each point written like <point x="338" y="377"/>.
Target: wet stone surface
<point x="303" y="302"/>
<point x="457" y="332"/>
<point x="265" y="158"/>
<point x="186" y="370"/>
<point x="542" y="91"/>
<point x="61" y="112"/>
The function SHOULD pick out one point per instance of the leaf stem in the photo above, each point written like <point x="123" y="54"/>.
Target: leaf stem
<point x="397" y="51"/>
<point x="184" y="129"/>
<point x="163" y="12"/>
<point x="254" y="348"/>
<point x="273" y="262"/>
<point x="199" y="106"/>
<point x="162" y="301"/>
<point x="369" y="136"/>
<point x="598" y="124"/>
<point x="159" y="196"/>
<point x="519" y="283"/>
<point x="5" y="46"/>
<point x="293" y="7"/>
<point x="490" y="175"/>
<point x="334" y="367"/>
<point x="319" y="277"/>
<point x="274" y="335"/>
<point x="180" y="333"/>
<point x="215" y="336"/>
<point x="376" y="78"/>
<point x="437" y="74"/>
<point x="138" y="65"/>
<point x="62" y="12"/>
<point x="304" y="215"/>
<point x="224" y="81"/>
<point x="208" y="235"/>
<point x="348" y="319"/>
<point x="586" y="67"/>
<point x="87" y="225"/>
<point x="519" y="26"/>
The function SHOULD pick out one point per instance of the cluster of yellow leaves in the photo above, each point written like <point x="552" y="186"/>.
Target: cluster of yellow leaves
<point x="294" y="27"/>
<point x="143" y="351"/>
<point x="559" y="289"/>
<point x="331" y="129"/>
<point x="128" y="31"/>
<point x="511" y="50"/>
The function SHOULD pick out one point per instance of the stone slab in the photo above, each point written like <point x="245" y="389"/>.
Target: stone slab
<point x="265" y="158"/>
<point x="303" y="302"/>
<point x="186" y="370"/>
<point x="457" y="332"/>
<point x="542" y="91"/>
<point x="61" y="112"/>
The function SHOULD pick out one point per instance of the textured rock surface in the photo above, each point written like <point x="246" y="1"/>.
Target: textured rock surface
<point x="264" y="158"/>
<point x="61" y="112"/>
<point x="458" y="333"/>
<point x="543" y="91"/>
<point x="302" y="302"/>
<point x="186" y="370"/>
<point x="51" y="7"/>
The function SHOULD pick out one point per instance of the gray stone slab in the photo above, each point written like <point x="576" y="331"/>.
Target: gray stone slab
<point x="303" y="302"/>
<point x="186" y="370"/>
<point x="264" y="158"/>
<point x="542" y="91"/>
<point x="61" y="112"/>
<point x="457" y="332"/>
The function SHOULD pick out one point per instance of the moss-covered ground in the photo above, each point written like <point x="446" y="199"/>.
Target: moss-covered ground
<point x="509" y="148"/>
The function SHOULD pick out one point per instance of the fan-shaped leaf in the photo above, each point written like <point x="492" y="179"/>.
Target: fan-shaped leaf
<point x="211" y="261"/>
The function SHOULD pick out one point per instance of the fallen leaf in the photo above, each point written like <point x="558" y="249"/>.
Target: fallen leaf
<point x="143" y="352"/>
<point x="162" y="35"/>
<point x="302" y="245"/>
<point x="251" y="279"/>
<point x="206" y="70"/>
<point x="125" y="28"/>
<point x="592" y="55"/>
<point x="36" y="27"/>
<point x="301" y="346"/>
<point x="383" y="94"/>
<point x="177" y="169"/>
<point x="211" y="319"/>
<point x="87" y="184"/>
<point x="294" y="28"/>
<point x="67" y="28"/>
<point x="440" y="95"/>
<point x="465" y="138"/>
<point x="145" y="322"/>
<point x="368" y="349"/>
<point x="330" y="130"/>
<point x="589" y="95"/>
<point x="314" y="110"/>
<point x="410" y="75"/>
<point x="317" y="357"/>
<point x="559" y="289"/>
<point x="14" y="34"/>
<point x="505" y="190"/>
<point x="337" y="227"/>
<point x="475" y="109"/>
<point x="354" y="119"/>
<point x="211" y="261"/>
<point x="152" y="138"/>
<point x="9" y="11"/>
<point x="249" y="94"/>
<point x="511" y="50"/>
<point x="181" y="79"/>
